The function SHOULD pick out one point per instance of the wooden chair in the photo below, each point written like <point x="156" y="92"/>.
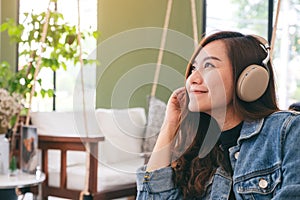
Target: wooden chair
<point x="65" y="144"/>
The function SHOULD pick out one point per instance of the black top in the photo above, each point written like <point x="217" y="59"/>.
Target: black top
<point x="229" y="139"/>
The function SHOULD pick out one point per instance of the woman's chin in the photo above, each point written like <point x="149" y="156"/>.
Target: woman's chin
<point x="197" y="108"/>
<point x="194" y="108"/>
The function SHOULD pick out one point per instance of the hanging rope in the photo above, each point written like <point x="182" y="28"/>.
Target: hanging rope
<point x="194" y="23"/>
<point x="164" y="37"/>
<point x="162" y="47"/>
<point x="87" y="145"/>
<point x="81" y="74"/>
<point x="275" y="28"/>
<point x="38" y="65"/>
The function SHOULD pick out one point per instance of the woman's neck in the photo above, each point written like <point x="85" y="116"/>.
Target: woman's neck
<point x="231" y="122"/>
<point x="227" y="120"/>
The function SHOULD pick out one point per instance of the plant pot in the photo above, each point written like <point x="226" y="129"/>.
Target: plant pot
<point x="4" y="154"/>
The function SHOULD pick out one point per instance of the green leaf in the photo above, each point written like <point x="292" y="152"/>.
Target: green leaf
<point x="64" y="66"/>
<point x="3" y="27"/>
<point x="96" y="34"/>
<point x="43" y="92"/>
<point x="50" y="93"/>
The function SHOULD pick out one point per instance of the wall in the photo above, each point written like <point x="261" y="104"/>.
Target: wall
<point x="8" y="9"/>
<point x="128" y="55"/>
<point x="129" y="46"/>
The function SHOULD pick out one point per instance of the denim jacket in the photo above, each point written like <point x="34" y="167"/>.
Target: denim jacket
<point x="265" y="163"/>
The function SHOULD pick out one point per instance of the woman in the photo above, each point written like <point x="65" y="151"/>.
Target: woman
<point x="257" y="155"/>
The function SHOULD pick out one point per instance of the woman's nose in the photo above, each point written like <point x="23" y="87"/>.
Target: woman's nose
<point x="196" y="77"/>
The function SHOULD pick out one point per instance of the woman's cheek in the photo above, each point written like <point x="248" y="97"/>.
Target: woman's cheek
<point x="218" y="89"/>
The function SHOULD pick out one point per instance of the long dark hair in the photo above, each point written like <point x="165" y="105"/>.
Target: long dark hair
<point x="192" y="173"/>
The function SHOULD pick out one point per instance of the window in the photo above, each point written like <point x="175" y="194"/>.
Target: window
<point x="286" y="56"/>
<point x="256" y="17"/>
<point x="246" y="16"/>
<point x="63" y="81"/>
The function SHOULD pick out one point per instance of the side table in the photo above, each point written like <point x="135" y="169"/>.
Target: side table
<point x="9" y="184"/>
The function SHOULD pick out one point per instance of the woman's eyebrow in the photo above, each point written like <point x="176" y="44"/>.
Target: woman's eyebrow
<point x="205" y="59"/>
<point x="211" y="58"/>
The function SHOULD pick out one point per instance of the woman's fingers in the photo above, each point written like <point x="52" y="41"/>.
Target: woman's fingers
<point x="178" y="98"/>
<point x="175" y="106"/>
<point x="180" y="95"/>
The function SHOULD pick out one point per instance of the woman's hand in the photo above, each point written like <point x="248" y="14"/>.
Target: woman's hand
<point x="175" y="107"/>
<point x="161" y="154"/>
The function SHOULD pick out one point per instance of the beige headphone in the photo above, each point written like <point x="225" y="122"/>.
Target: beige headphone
<point x="254" y="79"/>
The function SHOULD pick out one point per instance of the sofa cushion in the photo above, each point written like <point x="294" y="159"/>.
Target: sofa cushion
<point x="64" y="123"/>
<point x="123" y="130"/>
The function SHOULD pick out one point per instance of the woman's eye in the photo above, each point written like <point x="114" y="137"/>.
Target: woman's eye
<point x="204" y="66"/>
<point x="207" y="65"/>
<point x="193" y="68"/>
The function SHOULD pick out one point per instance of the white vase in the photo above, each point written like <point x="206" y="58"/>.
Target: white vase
<point x="4" y="154"/>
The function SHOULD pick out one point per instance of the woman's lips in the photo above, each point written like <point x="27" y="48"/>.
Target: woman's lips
<point x="198" y="90"/>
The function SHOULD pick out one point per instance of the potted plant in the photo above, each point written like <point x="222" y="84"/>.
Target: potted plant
<point x="10" y="107"/>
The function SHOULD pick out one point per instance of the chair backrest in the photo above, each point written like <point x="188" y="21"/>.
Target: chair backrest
<point x="63" y="124"/>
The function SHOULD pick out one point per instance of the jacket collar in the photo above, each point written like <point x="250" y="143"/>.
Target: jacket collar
<point x="250" y="129"/>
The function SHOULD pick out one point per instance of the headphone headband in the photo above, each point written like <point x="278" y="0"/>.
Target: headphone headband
<point x="266" y="47"/>
<point x="266" y="60"/>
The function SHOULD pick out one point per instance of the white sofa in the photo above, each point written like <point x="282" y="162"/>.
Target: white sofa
<point x="119" y="155"/>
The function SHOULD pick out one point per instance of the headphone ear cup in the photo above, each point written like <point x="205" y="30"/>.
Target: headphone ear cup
<point x="252" y="83"/>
